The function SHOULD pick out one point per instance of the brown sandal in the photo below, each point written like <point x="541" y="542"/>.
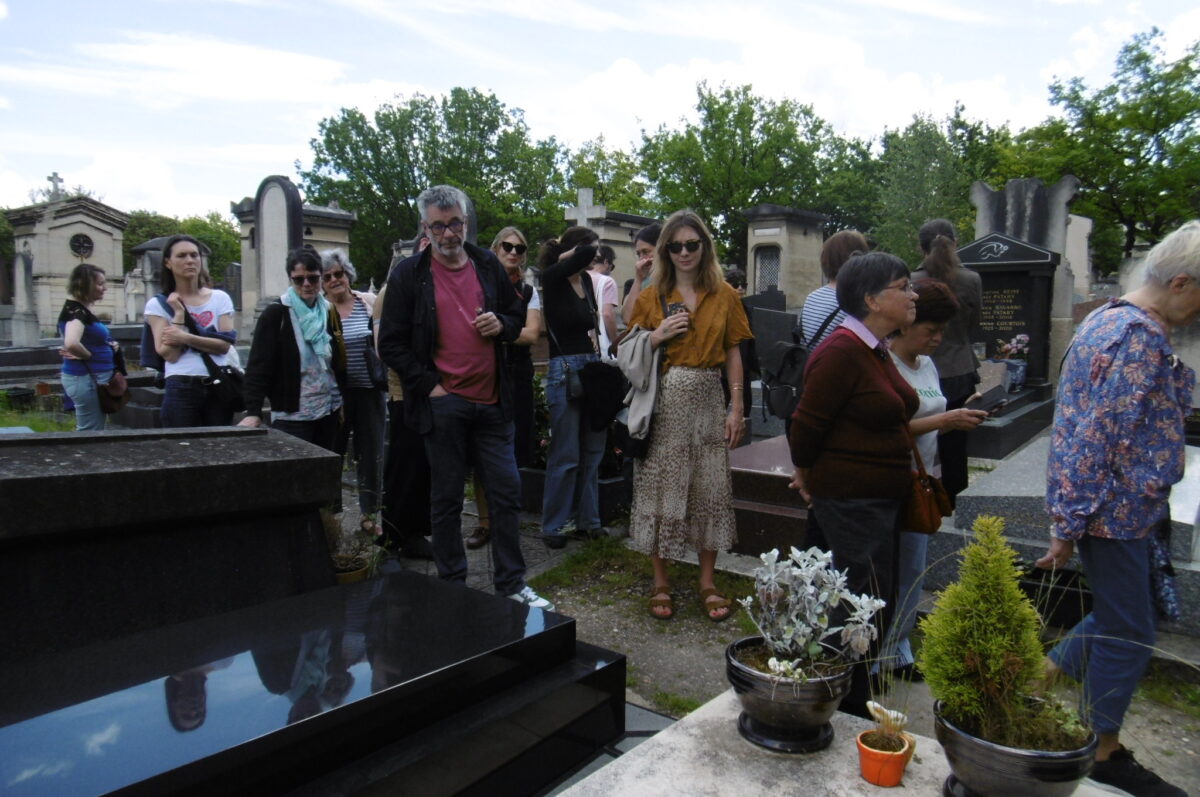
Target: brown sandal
<point x="712" y="606"/>
<point x="656" y="603"/>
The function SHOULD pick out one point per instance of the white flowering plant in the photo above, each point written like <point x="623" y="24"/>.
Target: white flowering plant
<point x="797" y="599"/>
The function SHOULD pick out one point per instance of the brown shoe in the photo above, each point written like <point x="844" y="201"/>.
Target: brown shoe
<point x="479" y="537"/>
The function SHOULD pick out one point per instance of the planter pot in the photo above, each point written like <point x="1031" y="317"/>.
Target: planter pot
<point x="980" y="768"/>
<point x="883" y="767"/>
<point x="781" y="714"/>
<point x="1016" y="373"/>
<point x="352" y="576"/>
<point x="1059" y="595"/>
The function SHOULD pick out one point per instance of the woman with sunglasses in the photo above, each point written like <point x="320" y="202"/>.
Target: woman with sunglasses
<point x="298" y="360"/>
<point x="187" y="400"/>
<point x="572" y="489"/>
<point x="682" y="494"/>
<point x="850" y="438"/>
<point x="363" y="402"/>
<point x="510" y="247"/>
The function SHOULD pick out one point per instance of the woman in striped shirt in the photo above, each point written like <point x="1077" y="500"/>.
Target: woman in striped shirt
<point x="363" y="405"/>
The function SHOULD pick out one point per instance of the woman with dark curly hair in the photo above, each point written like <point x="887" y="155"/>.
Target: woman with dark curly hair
<point x="954" y="358"/>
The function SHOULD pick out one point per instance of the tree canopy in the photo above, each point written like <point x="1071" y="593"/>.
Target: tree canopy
<point x="377" y="166"/>
<point x="219" y="233"/>
<point x="1134" y="144"/>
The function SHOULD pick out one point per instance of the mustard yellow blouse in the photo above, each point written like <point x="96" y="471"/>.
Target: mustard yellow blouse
<point x="718" y="325"/>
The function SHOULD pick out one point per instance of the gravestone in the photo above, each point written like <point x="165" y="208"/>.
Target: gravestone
<point x="1030" y="211"/>
<point x="1018" y="281"/>
<point x="118" y="532"/>
<point x="279" y="228"/>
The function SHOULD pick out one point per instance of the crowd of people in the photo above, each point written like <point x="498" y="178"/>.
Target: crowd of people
<point x="433" y="379"/>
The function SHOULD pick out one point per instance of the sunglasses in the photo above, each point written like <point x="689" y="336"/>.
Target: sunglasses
<point x="508" y="246"/>
<point x="331" y="275"/>
<point x="675" y="247"/>
<point x="311" y="279"/>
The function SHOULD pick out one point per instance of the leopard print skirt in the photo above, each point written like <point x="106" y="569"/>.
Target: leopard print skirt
<point x="682" y="489"/>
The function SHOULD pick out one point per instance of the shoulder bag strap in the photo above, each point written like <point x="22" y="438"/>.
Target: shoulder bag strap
<point x="214" y="373"/>
<point x="825" y="324"/>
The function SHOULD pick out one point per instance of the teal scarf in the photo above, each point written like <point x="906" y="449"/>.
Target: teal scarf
<point x="314" y="322"/>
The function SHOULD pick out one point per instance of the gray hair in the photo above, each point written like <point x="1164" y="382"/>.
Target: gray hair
<point x="863" y="275"/>
<point x="443" y="197"/>
<point x="1178" y="253"/>
<point x="336" y="257"/>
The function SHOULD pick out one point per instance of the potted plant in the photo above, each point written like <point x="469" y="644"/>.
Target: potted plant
<point x="982" y="657"/>
<point x="792" y="678"/>
<point x="884" y="752"/>
<point x="1013" y="354"/>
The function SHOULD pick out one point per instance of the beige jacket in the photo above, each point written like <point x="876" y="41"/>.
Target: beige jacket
<point x="639" y="361"/>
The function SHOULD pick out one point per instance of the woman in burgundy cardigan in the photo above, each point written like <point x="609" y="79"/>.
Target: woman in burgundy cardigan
<point x="848" y="436"/>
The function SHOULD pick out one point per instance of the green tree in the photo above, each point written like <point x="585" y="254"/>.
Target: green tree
<point x="743" y="151"/>
<point x="1134" y="144"/>
<point x="848" y="192"/>
<point x="921" y="177"/>
<point x="614" y="174"/>
<point x="221" y="235"/>
<point x="377" y="166"/>
<point x="145" y="225"/>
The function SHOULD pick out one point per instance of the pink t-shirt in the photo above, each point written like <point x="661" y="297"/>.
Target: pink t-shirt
<point x="465" y="359"/>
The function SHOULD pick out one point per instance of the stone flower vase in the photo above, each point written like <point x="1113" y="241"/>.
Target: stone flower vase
<point x="980" y="768"/>
<point x="783" y="714"/>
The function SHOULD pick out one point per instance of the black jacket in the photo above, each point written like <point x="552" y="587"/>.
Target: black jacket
<point x="273" y="369"/>
<point x="408" y="329"/>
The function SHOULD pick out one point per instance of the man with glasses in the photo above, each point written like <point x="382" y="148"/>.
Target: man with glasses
<point x="445" y="314"/>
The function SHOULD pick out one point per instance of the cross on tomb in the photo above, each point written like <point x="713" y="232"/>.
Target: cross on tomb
<point x="56" y="182"/>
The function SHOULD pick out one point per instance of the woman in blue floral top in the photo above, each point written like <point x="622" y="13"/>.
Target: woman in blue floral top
<point x="1116" y="449"/>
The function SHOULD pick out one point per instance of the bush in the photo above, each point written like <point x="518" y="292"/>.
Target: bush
<point x="982" y="652"/>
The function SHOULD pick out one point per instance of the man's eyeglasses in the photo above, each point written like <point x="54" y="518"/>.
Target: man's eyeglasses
<point x="675" y="247"/>
<point x="332" y="275"/>
<point x="311" y="279"/>
<point x="508" y="246"/>
<point x="439" y="229"/>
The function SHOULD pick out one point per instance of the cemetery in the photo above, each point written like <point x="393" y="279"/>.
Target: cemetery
<point x="173" y="590"/>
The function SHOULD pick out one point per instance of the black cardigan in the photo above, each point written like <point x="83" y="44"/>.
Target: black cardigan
<point x="273" y="370"/>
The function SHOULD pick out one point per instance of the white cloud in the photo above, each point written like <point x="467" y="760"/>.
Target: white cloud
<point x="41" y="770"/>
<point x="93" y="744"/>
<point x="3" y="10"/>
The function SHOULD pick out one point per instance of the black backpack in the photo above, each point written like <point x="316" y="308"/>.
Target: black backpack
<point x="783" y="373"/>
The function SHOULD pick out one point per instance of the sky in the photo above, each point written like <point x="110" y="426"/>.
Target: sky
<point x="184" y="106"/>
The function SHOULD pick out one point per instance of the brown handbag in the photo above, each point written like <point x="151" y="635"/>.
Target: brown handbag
<point x="113" y="394"/>
<point x="928" y="501"/>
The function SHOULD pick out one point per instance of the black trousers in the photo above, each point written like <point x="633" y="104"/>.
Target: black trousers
<point x="863" y="535"/>
<point x="406" y="483"/>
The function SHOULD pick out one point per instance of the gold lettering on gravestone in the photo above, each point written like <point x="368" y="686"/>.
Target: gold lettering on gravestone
<point x="1001" y="310"/>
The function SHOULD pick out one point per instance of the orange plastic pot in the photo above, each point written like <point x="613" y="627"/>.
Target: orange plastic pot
<point x="880" y="767"/>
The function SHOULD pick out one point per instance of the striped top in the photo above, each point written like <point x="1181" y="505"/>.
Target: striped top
<point x="356" y="331"/>
<point x="817" y="307"/>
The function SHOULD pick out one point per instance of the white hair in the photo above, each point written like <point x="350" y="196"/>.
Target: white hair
<point x="1178" y="253"/>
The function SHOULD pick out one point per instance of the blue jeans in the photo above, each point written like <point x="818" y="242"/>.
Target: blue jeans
<point x="362" y="409"/>
<point x="910" y="569"/>
<point x="1109" y="649"/>
<point x="467" y="434"/>
<point x="573" y="462"/>
<point x="186" y="404"/>
<point x="82" y="392"/>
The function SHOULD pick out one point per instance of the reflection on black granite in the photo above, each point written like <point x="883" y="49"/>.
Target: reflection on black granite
<point x="151" y="703"/>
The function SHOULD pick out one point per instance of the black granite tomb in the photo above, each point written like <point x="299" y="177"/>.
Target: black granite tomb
<point x="405" y="683"/>
<point x="769" y="514"/>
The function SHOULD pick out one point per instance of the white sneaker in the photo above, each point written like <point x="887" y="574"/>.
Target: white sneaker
<point x="530" y="598"/>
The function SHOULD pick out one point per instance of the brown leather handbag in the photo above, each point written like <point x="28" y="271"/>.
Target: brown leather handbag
<point x="928" y="502"/>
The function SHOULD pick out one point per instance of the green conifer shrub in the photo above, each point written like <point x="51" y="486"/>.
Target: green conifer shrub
<point x="982" y="654"/>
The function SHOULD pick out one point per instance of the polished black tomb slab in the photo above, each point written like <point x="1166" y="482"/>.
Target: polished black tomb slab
<point x="272" y="697"/>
